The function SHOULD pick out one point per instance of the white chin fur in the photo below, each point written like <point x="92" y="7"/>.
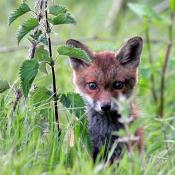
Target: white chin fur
<point x="97" y="104"/>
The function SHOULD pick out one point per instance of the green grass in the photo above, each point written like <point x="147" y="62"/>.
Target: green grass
<point x="29" y="141"/>
<point x="29" y="144"/>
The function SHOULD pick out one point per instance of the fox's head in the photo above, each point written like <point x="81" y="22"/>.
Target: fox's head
<point x="108" y="75"/>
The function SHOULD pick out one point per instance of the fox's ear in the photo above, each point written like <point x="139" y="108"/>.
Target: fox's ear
<point x="77" y="63"/>
<point x="129" y="54"/>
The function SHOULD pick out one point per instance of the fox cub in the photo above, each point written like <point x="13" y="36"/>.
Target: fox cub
<point x="109" y="75"/>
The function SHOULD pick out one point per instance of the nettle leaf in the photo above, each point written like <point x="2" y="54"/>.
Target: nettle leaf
<point x="64" y="18"/>
<point x="28" y="72"/>
<point x="41" y="96"/>
<point x="42" y="54"/>
<point x="73" y="102"/>
<point x="43" y="39"/>
<point x="4" y="85"/>
<point x="22" y="9"/>
<point x="143" y="10"/>
<point x="43" y="68"/>
<point x="36" y="35"/>
<point x="57" y="9"/>
<point x="73" y="52"/>
<point x="40" y="37"/>
<point x="25" y="28"/>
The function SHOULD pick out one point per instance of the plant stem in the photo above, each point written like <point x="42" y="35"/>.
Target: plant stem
<point x="164" y="67"/>
<point x="53" y="69"/>
<point x="17" y="99"/>
<point x="38" y="12"/>
<point x="33" y="49"/>
<point x="148" y="44"/>
<point x="18" y="96"/>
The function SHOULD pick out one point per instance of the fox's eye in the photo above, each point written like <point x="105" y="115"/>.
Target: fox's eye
<point x="117" y="85"/>
<point x="92" y="85"/>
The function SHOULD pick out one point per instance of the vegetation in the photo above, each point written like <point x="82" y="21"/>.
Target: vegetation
<point x="42" y="121"/>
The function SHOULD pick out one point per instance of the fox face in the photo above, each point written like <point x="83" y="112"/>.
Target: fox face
<point x="108" y="75"/>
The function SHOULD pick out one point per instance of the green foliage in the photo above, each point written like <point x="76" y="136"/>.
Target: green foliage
<point x="143" y="10"/>
<point x="123" y="106"/>
<point x="41" y="96"/>
<point x="73" y="102"/>
<point x="26" y="27"/>
<point x="43" y="68"/>
<point x="43" y="39"/>
<point x="64" y="18"/>
<point x="61" y="16"/>
<point x="22" y="9"/>
<point x="42" y="54"/>
<point x="39" y="37"/>
<point x="28" y="72"/>
<point x="73" y="52"/>
<point x="4" y="85"/>
<point x="172" y="5"/>
<point x="36" y="35"/>
<point x="57" y="9"/>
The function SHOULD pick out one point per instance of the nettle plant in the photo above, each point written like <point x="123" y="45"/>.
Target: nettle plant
<point x="38" y="29"/>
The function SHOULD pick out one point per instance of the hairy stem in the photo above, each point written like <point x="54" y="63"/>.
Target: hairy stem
<point x="18" y="96"/>
<point x="53" y="69"/>
<point x="164" y="67"/>
<point x="39" y="6"/>
<point x="32" y="50"/>
<point x="17" y="99"/>
<point x="148" y="44"/>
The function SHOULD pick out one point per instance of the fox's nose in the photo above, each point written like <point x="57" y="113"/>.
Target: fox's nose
<point x="106" y="107"/>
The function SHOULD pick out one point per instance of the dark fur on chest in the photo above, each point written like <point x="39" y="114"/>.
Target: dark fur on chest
<point x="101" y="129"/>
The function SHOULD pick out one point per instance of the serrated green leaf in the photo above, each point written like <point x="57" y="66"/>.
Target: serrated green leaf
<point x="41" y="96"/>
<point x="42" y="68"/>
<point x="75" y="105"/>
<point x="25" y="28"/>
<point x="73" y="102"/>
<point x="28" y="72"/>
<point x="36" y="35"/>
<point x="42" y="54"/>
<point x="43" y="39"/>
<point x="143" y="10"/>
<point x="4" y="85"/>
<point x="22" y="9"/>
<point x="40" y="37"/>
<point x="73" y="52"/>
<point x="64" y="18"/>
<point x="57" y="9"/>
